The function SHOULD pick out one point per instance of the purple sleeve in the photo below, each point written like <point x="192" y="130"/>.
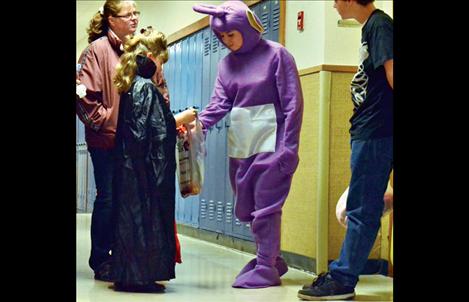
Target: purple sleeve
<point x="218" y="107"/>
<point x="291" y="101"/>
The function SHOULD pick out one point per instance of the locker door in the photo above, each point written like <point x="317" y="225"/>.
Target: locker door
<point x="182" y="97"/>
<point x="80" y="132"/>
<point x="190" y="101"/>
<point x="175" y="93"/>
<point x="197" y="77"/>
<point x="169" y="72"/>
<point x="229" y="197"/>
<point x="81" y="177"/>
<point x="262" y="10"/>
<point x="91" y="186"/>
<point x="81" y="167"/>
<point x="216" y="147"/>
<point x="206" y="49"/>
<point x="80" y="164"/>
<point x="221" y="171"/>
<point x="206" y="213"/>
<point x="225" y="214"/>
<point x="185" y="66"/>
<point x="182" y="103"/>
<point x="170" y="76"/>
<point x="175" y="105"/>
<point x="274" y="20"/>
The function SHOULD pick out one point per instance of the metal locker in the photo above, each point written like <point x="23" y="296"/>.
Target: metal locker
<point x="169" y="76"/>
<point x="80" y="132"/>
<point x="185" y="95"/>
<point x="262" y="10"/>
<point x="197" y="101"/>
<point x="215" y="201"/>
<point x="239" y="229"/>
<point x="206" y="214"/>
<point x="81" y="176"/>
<point x="274" y="20"/>
<point x="80" y="165"/>
<point x="219" y="148"/>
<point x="229" y="197"/>
<point x="203" y="207"/>
<point x="189" y="101"/>
<point x="90" y="186"/>
<point x="182" y="97"/>
<point x="182" y="103"/>
<point x="175" y="104"/>
<point x="225" y="202"/>
<point x="169" y="72"/>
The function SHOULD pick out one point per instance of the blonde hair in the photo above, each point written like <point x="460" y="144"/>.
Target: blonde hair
<point x="99" y="25"/>
<point x="148" y="41"/>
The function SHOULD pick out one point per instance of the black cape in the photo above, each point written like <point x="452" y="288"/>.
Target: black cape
<point x="144" y="245"/>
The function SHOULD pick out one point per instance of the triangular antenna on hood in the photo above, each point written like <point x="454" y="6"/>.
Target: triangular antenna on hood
<point x="209" y="9"/>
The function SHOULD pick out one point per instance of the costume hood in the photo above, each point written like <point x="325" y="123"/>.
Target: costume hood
<point x="234" y="15"/>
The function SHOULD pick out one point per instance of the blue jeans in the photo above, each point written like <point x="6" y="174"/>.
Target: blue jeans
<point x="371" y="164"/>
<point x="101" y="218"/>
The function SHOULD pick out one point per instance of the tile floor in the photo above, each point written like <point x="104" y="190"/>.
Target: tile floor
<point x="206" y="275"/>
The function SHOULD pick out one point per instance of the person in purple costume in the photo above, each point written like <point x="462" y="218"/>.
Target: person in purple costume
<point x="258" y="83"/>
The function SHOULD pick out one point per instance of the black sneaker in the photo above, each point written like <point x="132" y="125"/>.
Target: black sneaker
<point x="320" y="276"/>
<point x="326" y="288"/>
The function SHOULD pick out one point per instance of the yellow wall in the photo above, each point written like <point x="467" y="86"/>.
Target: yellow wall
<point x="299" y="230"/>
<point x="298" y="226"/>
<point x="326" y="42"/>
<point x="339" y="150"/>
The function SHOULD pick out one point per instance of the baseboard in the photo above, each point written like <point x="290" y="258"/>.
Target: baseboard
<point x="218" y="238"/>
<point x="301" y="262"/>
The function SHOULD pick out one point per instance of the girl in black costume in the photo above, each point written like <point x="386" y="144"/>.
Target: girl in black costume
<point x="144" y="184"/>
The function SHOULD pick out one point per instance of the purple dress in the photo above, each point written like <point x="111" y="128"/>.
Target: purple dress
<point x="259" y="85"/>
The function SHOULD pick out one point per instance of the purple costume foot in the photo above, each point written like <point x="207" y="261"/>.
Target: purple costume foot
<point x="267" y="235"/>
<point x="280" y="265"/>
<point x="261" y="276"/>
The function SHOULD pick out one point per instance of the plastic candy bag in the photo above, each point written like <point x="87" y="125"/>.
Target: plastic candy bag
<point x="340" y="209"/>
<point x="190" y="154"/>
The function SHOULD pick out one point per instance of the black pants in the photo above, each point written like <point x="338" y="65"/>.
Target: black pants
<point x="101" y="218"/>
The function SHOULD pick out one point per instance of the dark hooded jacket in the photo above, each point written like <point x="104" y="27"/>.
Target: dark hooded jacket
<point x="144" y="246"/>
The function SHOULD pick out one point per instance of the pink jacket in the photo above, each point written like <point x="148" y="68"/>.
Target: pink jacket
<point x="98" y="110"/>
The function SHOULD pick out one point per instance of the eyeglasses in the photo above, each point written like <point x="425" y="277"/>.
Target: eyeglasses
<point x="135" y="14"/>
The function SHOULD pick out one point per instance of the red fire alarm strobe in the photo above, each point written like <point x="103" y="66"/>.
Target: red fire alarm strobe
<point x="300" y="20"/>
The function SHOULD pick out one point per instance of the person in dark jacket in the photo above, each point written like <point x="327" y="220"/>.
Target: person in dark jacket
<point x="144" y="246"/>
<point x="97" y="109"/>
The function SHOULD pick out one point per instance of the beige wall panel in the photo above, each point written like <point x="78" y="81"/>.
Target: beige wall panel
<point x="339" y="149"/>
<point x="384" y="232"/>
<point x="299" y="213"/>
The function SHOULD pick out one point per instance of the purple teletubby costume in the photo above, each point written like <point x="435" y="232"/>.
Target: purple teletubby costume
<point x="259" y="85"/>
